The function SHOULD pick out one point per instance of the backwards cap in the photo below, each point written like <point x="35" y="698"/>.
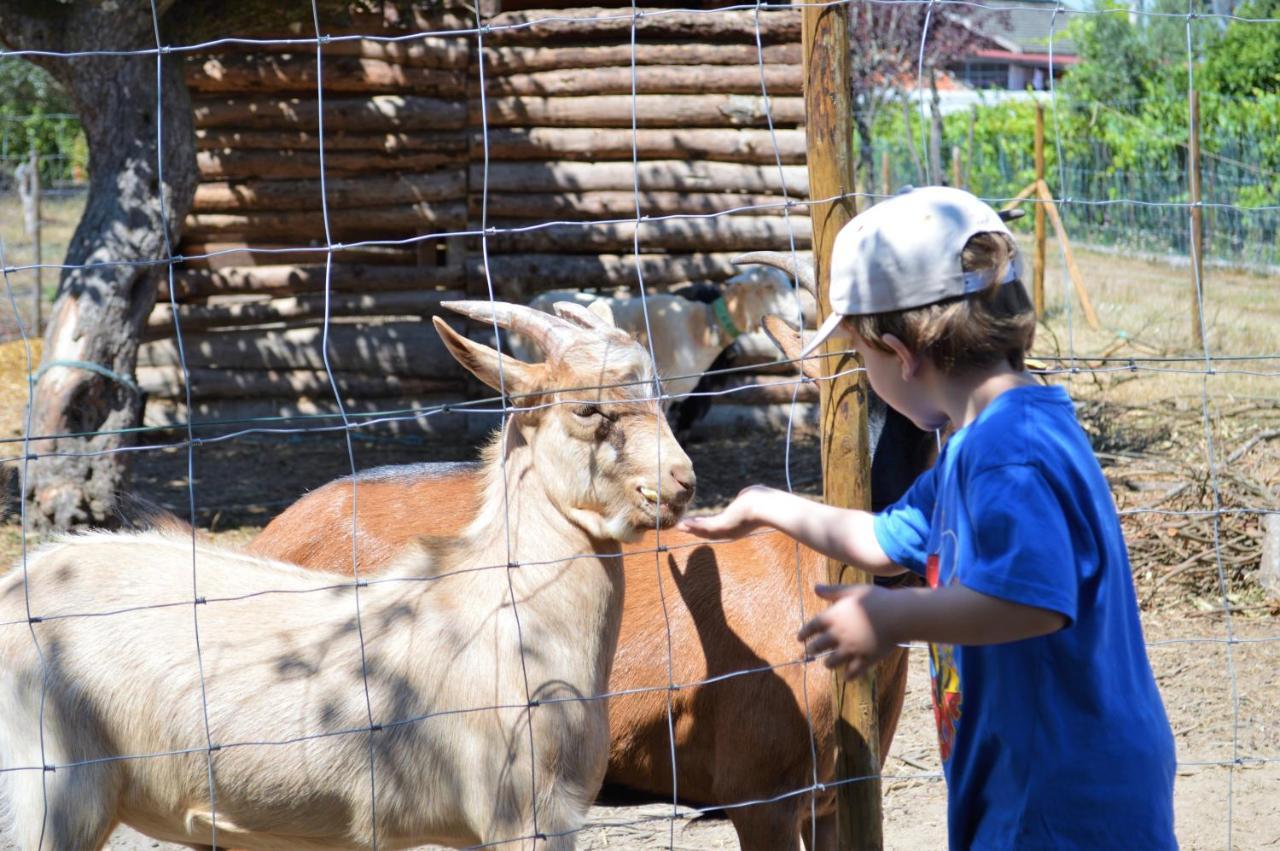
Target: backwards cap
<point x="905" y="252"/>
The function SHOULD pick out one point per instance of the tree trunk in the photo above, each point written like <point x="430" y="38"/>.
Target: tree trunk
<point x="100" y="309"/>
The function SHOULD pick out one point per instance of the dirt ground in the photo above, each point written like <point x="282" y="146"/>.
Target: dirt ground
<point x="1212" y="801"/>
<point x="1214" y="636"/>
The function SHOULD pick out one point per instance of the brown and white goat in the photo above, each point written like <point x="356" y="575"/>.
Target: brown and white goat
<point x="458" y="704"/>
<point x="733" y="610"/>
<point x="688" y="335"/>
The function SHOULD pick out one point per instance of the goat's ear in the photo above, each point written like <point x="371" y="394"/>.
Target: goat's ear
<point x="517" y="377"/>
<point x="601" y="308"/>
<point x="790" y="342"/>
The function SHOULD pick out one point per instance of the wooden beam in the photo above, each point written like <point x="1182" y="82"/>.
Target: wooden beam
<point x="391" y="222"/>
<point x="1073" y="271"/>
<point x="553" y="26"/>
<point x="1197" y="220"/>
<point x="221" y="254"/>
<point x="379" y="113"/>
<point x="595" y="144"/>
<point x="1016" y="201"/>
<point x="301" y="194"/>
<point x="722" y="111"/>
<point x="647" y="79"/>
<point x="726" y="233"/>
<point x="296" y="73"/>
<point x="500" y="61"/>
<point x="653" y="176"/>
<point x="213" y="138"/>
<point x="286" y="279"/>
<point x="1037" y="269"/>
<point x="524" y="275"/>
<point x="199" y="317"/>
<point x="234" y="164"/>
<point x="846" y="457"/>
<point x="622" y="204"/>
<point x="168" y="382"/>
<point x="236" y="413"/>
<point x="393" y="348"/>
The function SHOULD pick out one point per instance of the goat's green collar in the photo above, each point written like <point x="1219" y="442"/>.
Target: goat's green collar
<point x="726" y="321"/>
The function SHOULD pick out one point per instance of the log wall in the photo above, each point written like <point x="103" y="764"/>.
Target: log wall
<point x="555" y="157"/>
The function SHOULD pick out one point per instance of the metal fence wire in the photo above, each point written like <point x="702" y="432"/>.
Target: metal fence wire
<point x="1130" y="210"/>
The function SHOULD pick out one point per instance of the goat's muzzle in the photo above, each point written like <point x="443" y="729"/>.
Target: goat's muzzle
<point x="665" y="504"/>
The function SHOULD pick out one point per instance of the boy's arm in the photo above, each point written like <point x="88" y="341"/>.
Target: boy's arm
<point x="839" y="533"/>
<point x="865" y="623"/>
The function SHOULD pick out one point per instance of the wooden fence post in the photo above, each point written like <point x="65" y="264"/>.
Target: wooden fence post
<point x="886" y="177"/>
<point x="1197" y="221"/>
<point x="956" y="180"/>
<point x="845" y="455"/>
<point x="1037" y="273"/>
<point x="29" y="190"/>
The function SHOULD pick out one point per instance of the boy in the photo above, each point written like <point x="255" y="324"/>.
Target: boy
<point x="1052" y="732"/>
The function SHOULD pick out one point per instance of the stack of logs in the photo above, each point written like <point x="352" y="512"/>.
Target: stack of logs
<point x="428" y="140"/>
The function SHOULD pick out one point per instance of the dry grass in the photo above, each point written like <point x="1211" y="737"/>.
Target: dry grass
<point x="59" y="216"/>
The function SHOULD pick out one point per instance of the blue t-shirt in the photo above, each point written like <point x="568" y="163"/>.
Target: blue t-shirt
<point x="1056" y="742"/>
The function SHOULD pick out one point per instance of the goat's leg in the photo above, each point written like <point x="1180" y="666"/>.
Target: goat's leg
<point x="767" y="827"/>
<point x="69" y="811"/>
<point x="65" y="807"/>
<point x="819" y="834"/>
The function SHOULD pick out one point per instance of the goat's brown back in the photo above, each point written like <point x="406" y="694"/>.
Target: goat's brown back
<point x="315" y="531"/>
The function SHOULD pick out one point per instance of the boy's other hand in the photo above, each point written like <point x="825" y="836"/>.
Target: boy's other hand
<point x="739" y="517"/>
<point x="854" y="628"/>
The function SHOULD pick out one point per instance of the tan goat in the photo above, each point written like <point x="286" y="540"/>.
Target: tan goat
<point x="459" y="707"/>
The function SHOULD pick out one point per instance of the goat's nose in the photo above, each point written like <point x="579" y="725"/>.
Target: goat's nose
<point x="683" y="481"/>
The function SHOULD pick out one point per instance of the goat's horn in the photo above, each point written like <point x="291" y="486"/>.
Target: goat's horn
<point x="547" y="332"/>
<point x="784" y="260"/>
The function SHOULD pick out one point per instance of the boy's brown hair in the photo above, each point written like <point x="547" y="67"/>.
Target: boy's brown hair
<point x="968" y="332"/>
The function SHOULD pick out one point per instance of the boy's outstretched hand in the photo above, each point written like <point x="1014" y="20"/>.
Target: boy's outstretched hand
<point x="739" y="518"/>
<point x="853" y="628"/>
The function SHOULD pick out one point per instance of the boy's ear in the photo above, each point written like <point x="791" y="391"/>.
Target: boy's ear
<point x="517" y="377"/>
<point x="907" y="359"/>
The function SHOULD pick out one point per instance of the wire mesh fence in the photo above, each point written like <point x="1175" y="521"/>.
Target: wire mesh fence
<point x="1185" y="434"/>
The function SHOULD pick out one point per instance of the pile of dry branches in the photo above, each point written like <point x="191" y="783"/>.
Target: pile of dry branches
<point x="1192" y="519"/>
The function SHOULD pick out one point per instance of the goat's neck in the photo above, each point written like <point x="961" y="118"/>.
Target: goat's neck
<point x="736" y="307"/>
<point x="560" y="565"/>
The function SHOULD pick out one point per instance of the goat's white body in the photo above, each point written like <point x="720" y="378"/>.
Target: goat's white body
<point x="686" y="336"/>
<point x="285" y="696"/>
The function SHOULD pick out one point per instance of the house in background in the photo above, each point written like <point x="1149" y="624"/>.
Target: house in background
<point x="1013" y="53"/>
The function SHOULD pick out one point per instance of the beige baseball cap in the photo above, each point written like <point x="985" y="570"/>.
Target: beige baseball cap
<point x="905" y="252"/>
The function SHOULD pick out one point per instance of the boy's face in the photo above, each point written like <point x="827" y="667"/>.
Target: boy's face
<point x="896" y="378"/>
